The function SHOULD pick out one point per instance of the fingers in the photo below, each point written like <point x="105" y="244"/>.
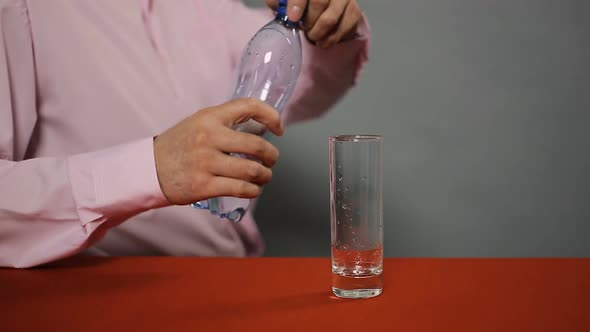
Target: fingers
<point x="242" y="110"/>
<point x="231" y="141"/>
<point x="238" y="168"/>
<point x="314" y="11"/>
<point x="296" y="9"/>
<point x="347" y="26"/>
<point x="192" y="161"/>
<point x="225" y="186"/>
<point x="272" y="4"/>
<point x="328" y="20"/>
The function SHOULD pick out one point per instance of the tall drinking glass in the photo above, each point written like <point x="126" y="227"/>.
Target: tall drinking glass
<point x="356" y="215"/>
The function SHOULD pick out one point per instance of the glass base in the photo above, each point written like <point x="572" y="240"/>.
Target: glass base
<point x="357" y="286"/>
<point x="357" y="293"/>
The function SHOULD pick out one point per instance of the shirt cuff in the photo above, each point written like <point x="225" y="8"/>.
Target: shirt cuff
<point x="117" y="182"/>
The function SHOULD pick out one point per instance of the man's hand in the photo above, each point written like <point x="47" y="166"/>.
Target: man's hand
<point x="192" y="158"/>
<point x="326" y="22"/>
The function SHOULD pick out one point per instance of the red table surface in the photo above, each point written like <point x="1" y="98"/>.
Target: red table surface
<point x="294" y="294"/>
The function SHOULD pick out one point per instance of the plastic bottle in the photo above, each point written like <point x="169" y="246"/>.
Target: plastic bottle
<point x="269" y="69"/>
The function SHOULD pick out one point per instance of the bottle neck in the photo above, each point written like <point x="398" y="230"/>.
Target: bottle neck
<point x="282" y="15"/>
<point x="284" y="20"/>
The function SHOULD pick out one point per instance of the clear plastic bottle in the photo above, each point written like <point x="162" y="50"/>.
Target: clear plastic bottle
<point x="269" y="69"/>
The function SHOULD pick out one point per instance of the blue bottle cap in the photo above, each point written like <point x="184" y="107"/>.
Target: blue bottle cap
<point x="282" y="14"/>
<point x="282" y="10"/>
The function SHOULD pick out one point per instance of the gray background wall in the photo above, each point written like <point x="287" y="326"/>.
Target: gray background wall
<point x="485" y="109"/>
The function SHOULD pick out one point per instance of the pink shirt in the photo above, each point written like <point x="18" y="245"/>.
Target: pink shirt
<point x="85" y="85"/>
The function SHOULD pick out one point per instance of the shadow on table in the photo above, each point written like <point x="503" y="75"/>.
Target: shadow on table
<point x="69" y="262"/>
<point x="286" y="303"/>
<point x="78" y="262"/>
<point x="81" y="279"/>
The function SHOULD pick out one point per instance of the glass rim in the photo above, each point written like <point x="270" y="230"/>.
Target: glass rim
<point x="355" y="138"/>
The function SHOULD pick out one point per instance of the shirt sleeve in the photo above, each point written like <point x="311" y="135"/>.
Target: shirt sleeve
<point x="326" y="74"/>
<point x="51" y="208"/>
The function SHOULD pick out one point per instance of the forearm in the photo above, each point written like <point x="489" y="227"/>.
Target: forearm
<point x="51" y="208"/>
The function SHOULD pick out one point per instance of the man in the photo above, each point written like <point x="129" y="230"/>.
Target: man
<point x="94" y="153"/>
